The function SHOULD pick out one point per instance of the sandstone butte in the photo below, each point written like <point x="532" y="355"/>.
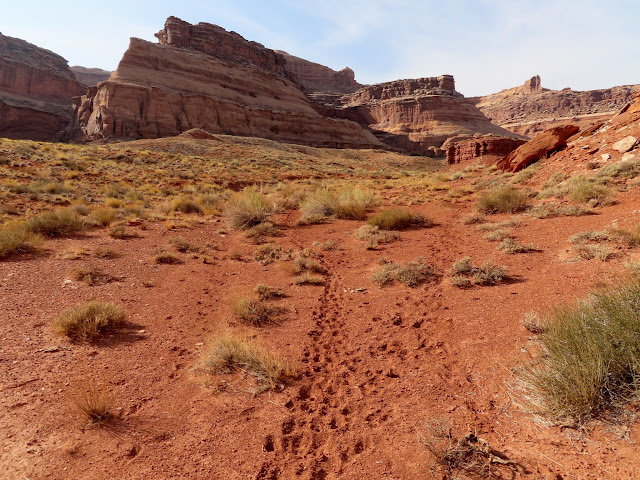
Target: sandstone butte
<point x="36" y="88"/>
<point x="202" y="76"/>
<point x="90" y="76"/>
<point x="530" y="108"/>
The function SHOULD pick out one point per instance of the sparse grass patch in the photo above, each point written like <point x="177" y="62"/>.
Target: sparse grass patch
<point x="510" y="246"/>
<point x="410" y="274"/>
<point x="56" y="223"/>
<point x="588" y="362"/>
<point x="89" y="321"/>
<point x="258" y="233"/>
<point x="374" y="236"/>
<point x="183" y="246"/>
<point x="474" y="219"/>
<point x="552" y="210"/>
<point x="185" y="205"/>
<point x="92" y="275"/>
<point x="490" y="273"/>
<point x="104" y="216"/>
<point x="398" y="219"/>
<point x="15" y="238"/>
<point x="349" y="203"/>
<point x="247" y="208"/>
<point x="108" y="253"/>
<point x="503" y="200"/>
<point x="498" y="235"/>
<point x="590" y="251"/>
<point x="307" y="278"/>
<point x="269" y="253"/>
<point x="231" y="351"/>
<point x="583" y="190"/>
<point x="167" y="258"/>
<point x="533" y="323"/>
<point x="94" y="401"/>
<point x="253" y="311"/>
<point x="266" y="292"/>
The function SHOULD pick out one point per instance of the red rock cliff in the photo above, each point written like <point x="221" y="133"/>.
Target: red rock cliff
<point x="201" y="76"/>
<point x="318" y="78"/>
<point x="36" y="90"/>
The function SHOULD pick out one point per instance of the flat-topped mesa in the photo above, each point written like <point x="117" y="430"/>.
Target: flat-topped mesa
<point x="442" y="85"/>
<point x="316" y="78"/>
<point x="201" y="76"/>
<point x="217" y="42"/>
<point x="36" y="88"/>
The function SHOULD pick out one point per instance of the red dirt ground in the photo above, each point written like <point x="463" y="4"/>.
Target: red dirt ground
<point x="374" y="364"/>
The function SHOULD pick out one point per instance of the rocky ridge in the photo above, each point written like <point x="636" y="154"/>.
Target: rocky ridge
<point x="36" y="87"/>
<point x="201" y="76"/>
<point x="90" y="76"/>
<point x="530" y="109"/>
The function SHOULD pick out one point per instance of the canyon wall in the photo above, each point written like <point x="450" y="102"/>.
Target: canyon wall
<point x="201" y="76"/>
<point x="36" y="87"/>
<point x="318" y="78"/>
<point x="90" y="76"/>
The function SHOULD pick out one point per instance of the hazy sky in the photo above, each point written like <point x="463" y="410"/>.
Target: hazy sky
<point x="487" y="45"/>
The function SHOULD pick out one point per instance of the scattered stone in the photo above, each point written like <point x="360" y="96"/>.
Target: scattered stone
<point x="626" y="144"/>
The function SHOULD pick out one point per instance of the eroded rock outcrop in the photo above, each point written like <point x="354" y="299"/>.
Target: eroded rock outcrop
<point x="201" y="76"/>
<point x="316" y="78"/>
<point x="530" y="109"/>
<point x="414" y="115"/>
<point x="90" y="76"/>
<point x="36" y="88"/>
<point x="542" y="146"/>
<point x="488" y="148"/>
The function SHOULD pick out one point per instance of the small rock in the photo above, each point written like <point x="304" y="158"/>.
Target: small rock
<point x="627" y="157"/>
<point x="626" y="144"/>
<point x="605" y="157"/>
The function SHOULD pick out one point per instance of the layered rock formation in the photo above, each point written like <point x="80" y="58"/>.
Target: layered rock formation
<point x="90" y="76"/>
<point x="529" y="109"/>
<point x="418" y="115"/>
<point x="201" y="76"/>
<point x="36" y="87"/>
<point x="488" y="148"/>
<point x="316" y="78"/>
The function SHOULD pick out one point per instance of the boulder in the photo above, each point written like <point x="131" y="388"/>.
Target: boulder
<point x="543" y="145"/>
<point x="626" y="144"/>
<point x="488" y="147"/>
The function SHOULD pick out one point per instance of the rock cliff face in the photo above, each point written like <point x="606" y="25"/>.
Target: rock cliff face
<point x="201" y="76"/>
<point x="36" y="87"/>
<point x="530" y="109"/>
<point x="488" y="148"/>
<point x="418" y="115"/>
<point x="90" y="76"/>
<point x="318" y="78"/>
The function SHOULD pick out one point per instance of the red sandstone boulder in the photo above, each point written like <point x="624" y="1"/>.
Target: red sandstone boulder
<point x="488" y="148"/>
<point x="543" y="145"/>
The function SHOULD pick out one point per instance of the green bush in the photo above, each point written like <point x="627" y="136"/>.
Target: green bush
<point x="502" y="200"/>
<point x="57" y="223"/>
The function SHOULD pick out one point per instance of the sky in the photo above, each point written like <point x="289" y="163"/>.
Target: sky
<point x="488" y="45"/>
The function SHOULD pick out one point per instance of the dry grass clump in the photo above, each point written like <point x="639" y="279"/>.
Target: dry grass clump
<point x="258" y="233"/>
<point x="510" y="246"/>
<point x="591" y="251"/>
<point x="374" y="236"/>
<point x="307" y="278"/>
<point x="269" y="253"/>
<point x="16" y="238"/>
<point x="56" y="223"/>
<point x="94" y="401"/>
<point x="398" y="219"/>
<point x="410" y="274"/>
<point x="185" y="205"/>
<point x="552" y="210"/>
<point x="88" y="321"/>
<point x="231" y="351"/>
<point x="497" y="235"/>
<point x="588" y="362"/>
<point x="253" y="311"/>
<point x="533" y="323"/>
<point x="92" y="275"/>
<point x="104" y="216"/>
<point x="474" y="219"/>
<point x="493" y="226"/>
<point x="502" y="200"/>
<point x="463" y="273"/>
<point x="167" y="258"/>
<point x="247" y="208"/>
<point x="590" y="244"/>
<point x="107" y="253"/>
<point x="267" y="292"/>
<point x="121" y="232"/>
<point x="184" y="246"/>
<point x="470" y="455"/>
<point x="349" y="203"/>
<point x="583" y="190"/>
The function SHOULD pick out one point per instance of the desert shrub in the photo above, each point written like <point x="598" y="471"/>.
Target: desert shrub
<point x="590" y="251"/>
<point x="533" y="323"/>
<point x="266" y="292"/>
<point x="411" y="274"/>
<point x="583" y="190"/>
<point x="628" y="169"/>
<point x="474" y="219"/>
<point x="94" y="401"/>
<point x="489" y="273"/>
<point x="350" y="203"/>
<point x="305" y="264"/>
<point x="88" y="321"/>
<point x="269" y="253"/>
<point x="56" y="223"/>
<point x="247" y="208"/>
<point x="497" y="235"/>
<point x="167" y="258"/>
<point x="104" y="216"/>
<point x="253" y="311"/>
<point x="555" y="179"/>
<point x="258" y="233"/>
<point x="503" y="200"/>
<point x="185" y="205"/>
<point x="588" y="362"/>
<point x="552" y="210"/>
<point x="307" y="278"/>
<point x="114" y="203"/>
<point x="92" y="275"/>
<point x="107" y="253"/>
<point x="492" y="226"/>
<point x="374" y="236"/>
<point x="120" y="232"/>
<point x="398" y="219"/>
<point x="231" y="351"/>
<point x="510" y="246"/>
<point x="16" y="238"/>
<point x="184" y="246"/>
